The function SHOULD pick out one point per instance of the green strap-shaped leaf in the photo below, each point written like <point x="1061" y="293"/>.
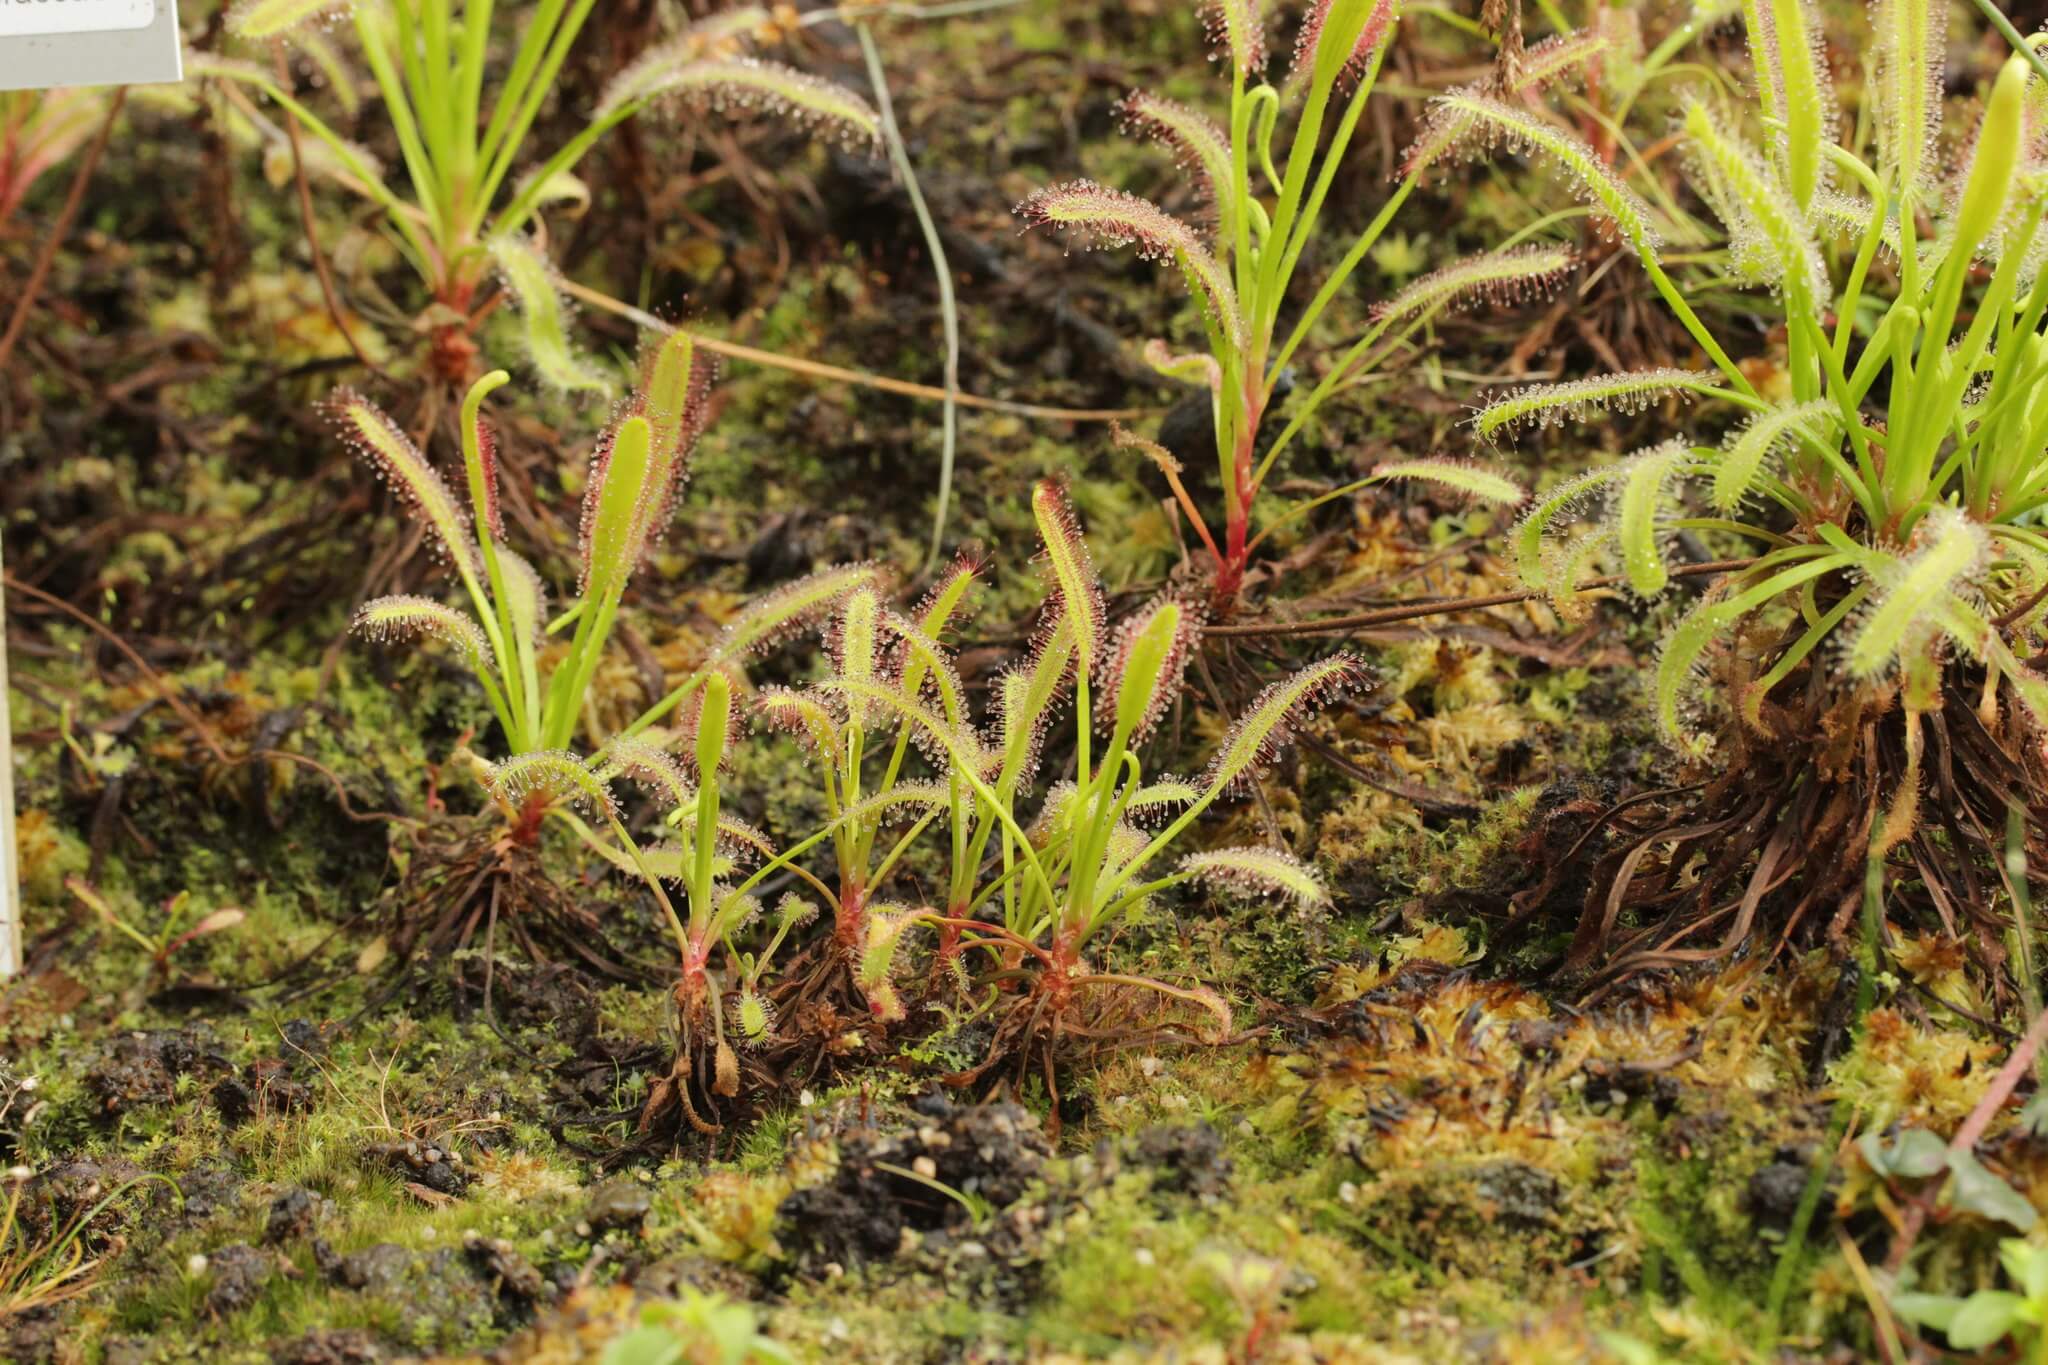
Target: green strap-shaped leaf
<point x="612" y="507"/>
<point x="1697" y="629"/>
<point x="1913" y="591"/>
<point x="1261" y="869"/>
<point x="1643" y="483"/>
<point x="530" y="279"/>
<point x="1469" y="479"/>
<point x="1743" y="456"/>
<point x="1562" y="505"/>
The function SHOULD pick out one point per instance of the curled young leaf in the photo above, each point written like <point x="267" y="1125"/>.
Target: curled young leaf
<point x="1143" y="669"/>
<point x="551" y="775"/>
<point x="612" y="509"/>
<point x="526" y="597"/>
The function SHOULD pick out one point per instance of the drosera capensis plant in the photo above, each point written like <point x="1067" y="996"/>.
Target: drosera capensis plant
<point x="863" y="752"/>
<point x="1030" y="899"/>
<point x="1885" y="472"/>
<point x="1242" y="267"/>
<point x="543" y="716"/>
<point x="473" y="190"/>
<point x="640" y="464"/>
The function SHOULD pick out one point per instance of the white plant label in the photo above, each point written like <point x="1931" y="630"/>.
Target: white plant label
<point x="34" y="18"/>
<point x="45" y="44"/>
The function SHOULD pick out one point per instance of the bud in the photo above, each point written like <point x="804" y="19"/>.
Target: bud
<point x="1151" y="654"/>
<point x="714" y="720"/>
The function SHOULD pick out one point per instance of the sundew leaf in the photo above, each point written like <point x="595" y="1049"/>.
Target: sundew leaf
<point x="924" y="665"/>
<point x="530" y="279"/>
<point x="1237" y="30"/>
<point x="1910" y="38"/>
<point x="854" y="640"/>
<point x="526" y="598"/>
<point x="648" y="765"/>
<point x="1199" y="145"/>
<point x="940" y="741"/>
<point x="1501" y="277"/>
<point x="1260" y="869"/>
<point x="673" y="384"/>
<point x="611" y="507"/>
<point x="1548" y="405"/>
<point x="1679" y="657"/>
<point x="1912" y="590"/>
<point x="898" y="802"/>
<point x="258" y="20"/>
<point x="406" y="617"/>
<point x="1026" y="696"/>
<point x="1321" y="50"/>
<point x="1643" y="482"/>
<point x="1786" y="48"/>
<point x="1097" y="216"/>
<point x="1477" y="123"/>
<point x="1263" y="729"/>
<point x="775" y="615"/>
<point x="1458" y="476"/>
<point x="1779" y="245"/>
<point x="801" y="714"/>
<point x="1760" y="439"/>
<point x="1071" y="570"/>
<point x="400" y="464"/>
<point x="552" y="775"/>
<point x="742" y="85"/>
<point x="950" y="596"/>
<point x="1157" y="796"/>
<point x="1145" y="666"/>
<point x="1559" y="58"/>
<point x="1562" y="504"/>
